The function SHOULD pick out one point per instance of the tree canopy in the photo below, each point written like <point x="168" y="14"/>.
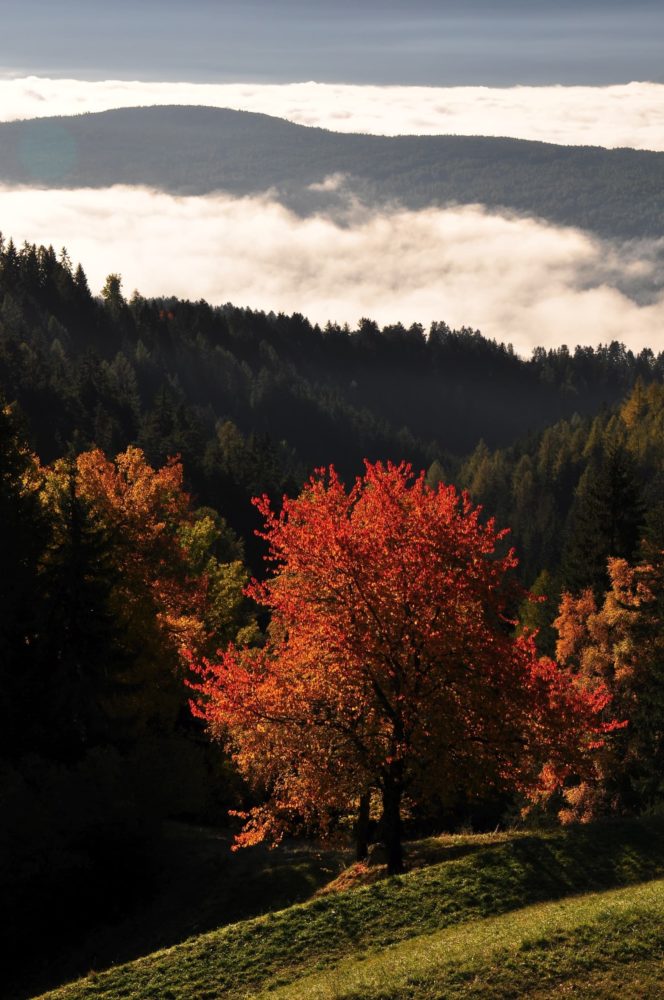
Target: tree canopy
<point x="390" y="666"/>
<point x="619" y="641"/>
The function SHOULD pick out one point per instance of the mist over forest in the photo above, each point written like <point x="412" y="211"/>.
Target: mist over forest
<point x="331" y="499"/>
<point x="535" y="244"/>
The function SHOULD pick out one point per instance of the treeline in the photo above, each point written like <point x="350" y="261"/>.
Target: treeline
<point x="554" y="446"/>
<point x="253" y="401"/>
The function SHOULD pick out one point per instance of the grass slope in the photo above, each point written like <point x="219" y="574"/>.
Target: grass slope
<point x="193" y="884"/>
<point x="537" y="950"/>
<point x="452" y="926"/>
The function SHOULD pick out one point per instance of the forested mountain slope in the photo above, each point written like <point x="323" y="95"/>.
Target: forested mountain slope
<point x="616" y="193"/>
<point x="253" y="401"/>
<point x="580" y="490"/>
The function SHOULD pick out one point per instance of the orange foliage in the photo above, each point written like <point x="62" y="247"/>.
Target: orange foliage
<point x="142" y="509"/>
<point x="390" y="664"/>
<point x="621" y="646"/>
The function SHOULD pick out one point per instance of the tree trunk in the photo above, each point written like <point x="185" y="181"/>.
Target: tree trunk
<point x="392" y="827"/>
<point x="362" y="828"/>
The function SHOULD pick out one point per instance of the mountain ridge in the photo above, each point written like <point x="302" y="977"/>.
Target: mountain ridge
<point x="615" y="193"/>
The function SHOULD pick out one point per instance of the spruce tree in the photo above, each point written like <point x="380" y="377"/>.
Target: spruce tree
<point x="604" y="521"/>
<point x="80" y="649"/>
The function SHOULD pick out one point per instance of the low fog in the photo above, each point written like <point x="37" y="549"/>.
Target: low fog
<point x="622" y="115"/>
<point x="517" y="280"/>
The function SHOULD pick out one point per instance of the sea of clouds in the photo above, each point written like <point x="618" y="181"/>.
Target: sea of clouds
<point x="621" y="115"/>
<point x="518" y="280"/>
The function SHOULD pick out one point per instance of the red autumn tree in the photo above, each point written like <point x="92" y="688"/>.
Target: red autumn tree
<point x="389" y="666"/>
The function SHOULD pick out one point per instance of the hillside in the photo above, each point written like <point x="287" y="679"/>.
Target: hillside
<point x="616" y="193"/>
<point x="488" y="916"/>
<point x="253" y="401"/>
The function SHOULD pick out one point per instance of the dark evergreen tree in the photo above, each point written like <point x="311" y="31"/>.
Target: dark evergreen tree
<point x="539" y="611"/>
<point x="604" y="521"/>
<point x="79" y="650"/>
<point x="23" y="536"/>
<point x="81" y="282"/>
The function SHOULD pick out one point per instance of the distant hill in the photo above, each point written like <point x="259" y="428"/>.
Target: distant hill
<point x="196" y="150"/>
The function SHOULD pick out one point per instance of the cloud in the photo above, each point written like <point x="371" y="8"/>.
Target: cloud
<point x="331" y="183"/>
<point x="517" y="280"/>
<point x="620" y="115"/>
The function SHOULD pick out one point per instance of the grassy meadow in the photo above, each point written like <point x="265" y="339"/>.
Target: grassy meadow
<point x="578" y="912"/>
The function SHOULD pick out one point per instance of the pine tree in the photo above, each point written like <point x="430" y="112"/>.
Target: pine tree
<point x="80" y="647"/>
<point x="604" y="521"/>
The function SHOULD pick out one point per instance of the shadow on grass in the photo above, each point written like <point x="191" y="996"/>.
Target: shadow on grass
<point x="197" y="884"/>
<point x="204" y="886"/>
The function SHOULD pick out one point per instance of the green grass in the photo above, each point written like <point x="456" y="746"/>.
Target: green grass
<point x="540" y="948"/>
<point x="196" y="884"/>
<point x="466" y="925"/>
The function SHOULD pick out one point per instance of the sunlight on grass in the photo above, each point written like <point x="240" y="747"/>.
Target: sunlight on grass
<point x="486" y="915"/>
<point x="465" y="958"/>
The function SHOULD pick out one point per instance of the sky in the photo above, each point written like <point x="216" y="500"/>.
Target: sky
<point x="586" y="72"/>
<point x="428" y="42"/>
